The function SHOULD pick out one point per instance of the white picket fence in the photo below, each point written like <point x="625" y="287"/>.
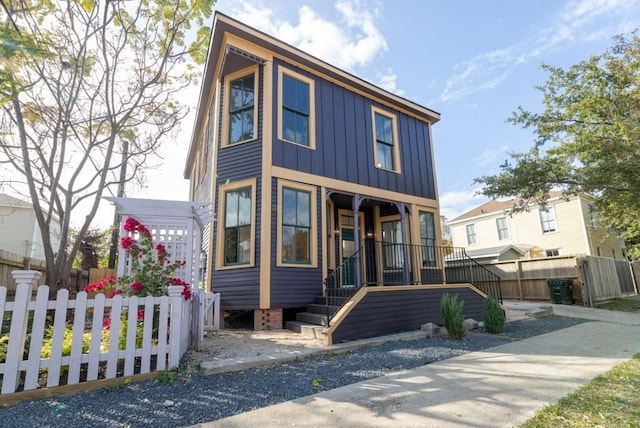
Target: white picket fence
<point x="165" y="323"/>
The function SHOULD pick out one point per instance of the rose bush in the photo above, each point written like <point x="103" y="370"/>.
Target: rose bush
<point x="151" y="269"/>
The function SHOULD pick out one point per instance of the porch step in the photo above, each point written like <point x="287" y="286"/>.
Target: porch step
<point x="317" y="308"/>
<point x="312" y="318"/>
<point x="306" y="330"/>
<point x="337" y="300"/>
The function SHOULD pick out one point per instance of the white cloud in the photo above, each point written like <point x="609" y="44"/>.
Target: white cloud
<point x="573" y="24"/>
<point x="457" y="202"/>
<point x="354" y="42"/>
<point x="388" y="81"/>
<point x="489" y="156"/>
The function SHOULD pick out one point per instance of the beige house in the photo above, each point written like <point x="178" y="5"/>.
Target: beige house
<point x="19" y="231"/>
<point x="565" y="227"/>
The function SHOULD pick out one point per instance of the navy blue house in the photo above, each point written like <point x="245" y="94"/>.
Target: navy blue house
<point x="321" y="181"/>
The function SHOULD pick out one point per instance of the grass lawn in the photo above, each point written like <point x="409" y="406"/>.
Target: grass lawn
<point x="625" y="305"/>
<point x="610" y="400"/>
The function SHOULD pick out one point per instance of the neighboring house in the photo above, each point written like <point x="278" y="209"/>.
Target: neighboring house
<point x="565" y="227"/>
<point x="289" y="149"/>
<point x="20" y="233"/>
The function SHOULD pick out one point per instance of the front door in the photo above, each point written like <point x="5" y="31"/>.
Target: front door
<point x="347" y="249"/>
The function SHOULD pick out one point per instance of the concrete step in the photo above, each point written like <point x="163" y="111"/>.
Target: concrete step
<point x="312" y="318"/>
<point x="306" y="330"/>
<point x="336" y="300"/>
<point x="321" y="309"/>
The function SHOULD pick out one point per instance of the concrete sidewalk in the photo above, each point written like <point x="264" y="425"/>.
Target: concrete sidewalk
<point x="503" y="386"/>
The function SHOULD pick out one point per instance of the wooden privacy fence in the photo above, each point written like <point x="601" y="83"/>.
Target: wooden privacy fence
<point x="152" y="333"/>
<point x="78" y="279"/>
<point x="594" y="279"/>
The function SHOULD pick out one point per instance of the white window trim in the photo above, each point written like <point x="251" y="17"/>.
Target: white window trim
<point x="225" y="106"/>
<point x="508" y="237"/>
<point x="222" y="198"/>
<point x="475" y="233"/>
<point x="396" y="141"/>
<point x="313" y="212"/>
<point x="312" y="106"/>
<point x="550" y="209"/>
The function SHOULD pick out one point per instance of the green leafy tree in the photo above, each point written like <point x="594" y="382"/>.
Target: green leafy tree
<point x="79" y="77"/>
<point x="94" y="249"/>
<point x="587" y="140"/>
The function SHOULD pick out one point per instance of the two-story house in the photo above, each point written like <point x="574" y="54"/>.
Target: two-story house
<point x="564" y="227"/>
<point x="319" y="180"/>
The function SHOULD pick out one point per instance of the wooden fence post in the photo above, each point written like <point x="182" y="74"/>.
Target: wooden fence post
<point x="25" y="279"/>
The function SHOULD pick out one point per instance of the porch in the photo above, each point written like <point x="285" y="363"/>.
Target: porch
<point x="386" y="288"/>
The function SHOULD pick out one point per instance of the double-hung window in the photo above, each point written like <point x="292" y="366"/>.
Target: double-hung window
<point x="427" y="238"/>
<point x="296" y="122"/>
<point x="297" y="243"/>
<point x="471" y="234"/>
<point x="240" y="107"/>
<point x="548" y="220"/>
<point x="385" y="138"/>
<point x="236" y="232"/>
<point x="503" y="228"/>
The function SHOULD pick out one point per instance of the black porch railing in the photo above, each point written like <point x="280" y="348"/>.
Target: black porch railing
<point x="383" y="263"/>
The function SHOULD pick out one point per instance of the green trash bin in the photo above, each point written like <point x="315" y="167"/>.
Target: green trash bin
<point x="561" y="291"/>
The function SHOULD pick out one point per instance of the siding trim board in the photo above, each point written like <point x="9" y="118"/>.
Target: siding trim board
<point x="375" y="311"/>
<point x="353" y="188"/>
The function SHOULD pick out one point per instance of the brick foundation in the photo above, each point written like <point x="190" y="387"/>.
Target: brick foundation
<point x="267" y="319"/>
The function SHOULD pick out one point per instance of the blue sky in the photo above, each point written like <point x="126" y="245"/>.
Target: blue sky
<point x="474" y="62"/>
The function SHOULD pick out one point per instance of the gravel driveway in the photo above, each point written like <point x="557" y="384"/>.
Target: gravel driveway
<point x="192" y="398"/>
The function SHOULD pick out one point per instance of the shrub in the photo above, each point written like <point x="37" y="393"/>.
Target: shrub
<point x="494" y="317"/>
<point x="452" y="312"/>
<point x="67" y="341"/>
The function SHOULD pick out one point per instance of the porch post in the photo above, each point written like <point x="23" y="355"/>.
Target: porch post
<point x="403" y="227"/>
<point x="356" y="238"/>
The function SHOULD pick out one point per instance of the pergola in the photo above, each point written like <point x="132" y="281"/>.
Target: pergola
<point x="178" y="225"/>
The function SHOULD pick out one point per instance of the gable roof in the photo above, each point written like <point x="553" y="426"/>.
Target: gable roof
<point x="495" y="206"/>
<point x="493" y="251"/>
<point x="10" y="201"/>
<point x="224" y="25"/>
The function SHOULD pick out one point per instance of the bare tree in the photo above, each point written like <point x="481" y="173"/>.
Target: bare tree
<point x="103" y="72"/>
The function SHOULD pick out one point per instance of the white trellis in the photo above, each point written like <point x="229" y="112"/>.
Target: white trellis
<point x="177" y="225"/>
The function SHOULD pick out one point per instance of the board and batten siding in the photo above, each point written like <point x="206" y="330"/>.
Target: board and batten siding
<point x="344" y="142"/>
<point x="293" y="287"/>
<point x="380" y="313"/>
<point x="239" y="288"/>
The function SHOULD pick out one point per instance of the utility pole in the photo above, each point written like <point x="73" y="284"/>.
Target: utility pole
<point x="113" y="250"/>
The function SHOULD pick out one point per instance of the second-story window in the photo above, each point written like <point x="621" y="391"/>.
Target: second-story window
<point x="503" y="228"/>
<point x="296" y="124"/>
<point x="548" y="220"/>
<point x="241" y="100"/>
<point x="385" y="140"/>
<point x="471" y="234"/>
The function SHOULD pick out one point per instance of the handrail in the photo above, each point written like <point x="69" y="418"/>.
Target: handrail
<point x="385" y="263"/>
<point x="337" y="292"/>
